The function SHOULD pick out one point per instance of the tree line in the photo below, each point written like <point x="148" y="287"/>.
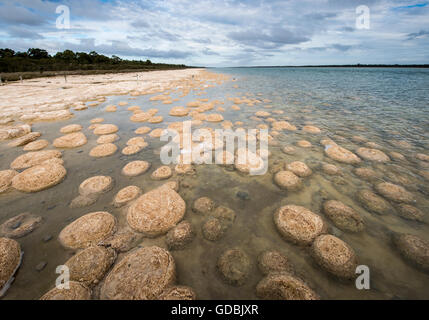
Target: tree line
<point x="39" y="60"/>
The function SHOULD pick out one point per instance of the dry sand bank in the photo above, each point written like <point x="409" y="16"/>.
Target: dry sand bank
<point x="51" y="98"/>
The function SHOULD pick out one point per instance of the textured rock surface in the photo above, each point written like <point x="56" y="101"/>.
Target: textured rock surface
<point x="40" y="177"/>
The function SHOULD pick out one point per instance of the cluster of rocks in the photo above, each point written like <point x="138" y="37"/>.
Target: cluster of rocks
<point x="90" y="190"/>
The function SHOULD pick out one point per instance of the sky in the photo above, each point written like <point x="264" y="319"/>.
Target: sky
<point x="225" y="33"/>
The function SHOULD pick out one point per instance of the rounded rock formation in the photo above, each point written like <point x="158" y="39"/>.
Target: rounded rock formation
<point x="31" y="159"/>
<point x="71" y="140"/>
<point x="341" y="154"/>
<point x="135" y="168"/>
<point x="299" y="168"/>
<point x="178" y="293"/>
<point x="283" y="286"/>
<point x="394" y="192"/>
<point x="103" y="150"/>
<point x="162" y="173"/>
<point x="373" y="202"/>
<point x="372" y="154"/>
<point x="287" y="180"/>
<point x="212" y="229"/>
<point x="6" y="177"/>
<point x="105" y="129"/>
<point x="335" y="256"/>
<point x="71" y="128"/>
<point x="107" y="138"/>
<point x="40" y="177"/>
<point x="414" y="249"/>
<point x="76" y="291"/>
<point x="156" y="212"/>
<point x="344" y="217"/>
<point x="274" y="262"/>
<point x="410" y="213"/>
<point x="10" y="260"/>
<point x="234" y="266"/>
<point x="203" y="205"/>
<point x="126" y="195"/>
<point x="36" y="145"/>
<point x="298" y="224"/>
<point x="180" y="236"/>
<point x="88" y="230"/>
<point x="90" y="265"/>
<point x="143" y="274"/>
<point x="20" y="225"/>
<point x="95" y="185"/>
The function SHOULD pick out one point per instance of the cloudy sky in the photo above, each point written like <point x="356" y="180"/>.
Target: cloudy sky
<point x="225" y="32"/>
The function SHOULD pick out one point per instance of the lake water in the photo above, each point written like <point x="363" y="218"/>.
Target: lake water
<point x="385" y="106"/>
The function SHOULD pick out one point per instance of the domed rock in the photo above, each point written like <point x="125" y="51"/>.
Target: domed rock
<point x="76" y="291"/>
<point x="105" y="129"/>
<point x="142" y="130"/>
<point x="90" y="265"/>
<point x="71" y="140"/>
<point x="12" y="132"/>
<point x="97" y="120"/>
<point x="122" y="240"/>
<point x="103" y="150"/>
<point x="344" y="217"/>
<point x="184" y="169"/>
<point x="225" y="215"/>
<point x="156" y="133"/>
<point x="111" y="108"/>
<point x="262" y="114"/>
<point x="162" y="173"/>
<point x="311" y="129"/>
<point x="178" y="112"/>
<point x="410" y="213"/>
<point x="36" y="145"/>
<point x="330" y="169"/>
<point x="83" y="201"/>
<point x="203" y="205"/>
<point x="31" y="159"/>
<point x="283" y="286"/>
<point x="234" y="266"/>
<point x="341" y="154"/>
<point x="107" y="138"/>
<point x="29" y="137"/>
<point x="214" y="117"/>
<point x="289" y="150"/>
<point x="143" y="274"/>
<point x="96" y="185"/>
<point x="422" y="157"/>
<point x="394" y="192"/>
<point x="88" y="230"/>
<point x="212" y="229"/>
<point x="335" y="256"/>
<point x="129" y="150"/>
<point x="372" y="154"/>
<point x="248" y="162"/>
<point x="137" y="141"/>
<point x="20" y="225"/>
<point x="180" y="236"/>
<point x="71" y="128"/>
<point x="414" y="249"/>
<point x="10" y="260"/>
<point x="126" y="195"/>
<point x="6" y="177"/>
<point x="40" y="177"/>
<point x="287" y="180"/>
<point x="140" y="117"/>
<point x="156" y="119"/>
<point x="135" y="168"/>
<point x="365" y="173"/>
<point x="299" y="168"/>
<point x="298" y="224"/>
<point x="373" y="202"/>
<point x="274" y="262"/>
<point x="156" y="211"/>
<point x="178" y="293"/>
<point x="304" y="144"/>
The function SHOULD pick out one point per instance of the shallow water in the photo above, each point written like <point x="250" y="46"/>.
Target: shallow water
<point x="383" y="105"/>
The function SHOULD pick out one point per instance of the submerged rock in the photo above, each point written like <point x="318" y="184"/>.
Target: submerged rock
<point x="6" y="177"/>
<point x="178" y="293"/>
<point x="341" y="154"/>
<point x="287" y="180"/>
<point x="180" y="236"/>
<point x="29" y="137"/>
<point x="203" y="205"/>
<point x="143" y="274"/>
<point x="71" y="140"/>
<point x="71" y="128"/>
<point x="162" y="173"/>
<point x="20" y="225"/>
<point x="105" y="129"/>
<point x="103" y="150"/>
<point x="283" y="286"/>
<point x="135" y="168"/>
<point x="36" y="145"/>
<point x="372" y="155"/>
<point x="90" y="265"/>
<point x="31" y="159"/>
<point x="126" y="195"/>
<point x="373" y="202"/>
<point x="88" y="230"/>
<point x="96" y="185"/>
<point x="410" y="213"/>
<point x="414" y="249"/>
<point x="76" y="291"/>
<point x="343" y="216"/>
<point x="156" y="211"/>
<point x="299" y="168"/>
<point x="394" y="192"/>
<point x="335" y="256"/>
<point x="39" y="177"/>
<point x="274" y="262"/>
<point x="234" y="267"/>
<point x="298" y="224"/>
<point x="10" y="260"/>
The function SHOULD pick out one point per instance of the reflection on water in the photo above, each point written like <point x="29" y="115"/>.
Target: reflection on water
<point x="385" y="106"/>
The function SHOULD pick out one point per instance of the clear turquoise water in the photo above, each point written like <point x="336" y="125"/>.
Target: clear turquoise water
<point x="383" y="105"/>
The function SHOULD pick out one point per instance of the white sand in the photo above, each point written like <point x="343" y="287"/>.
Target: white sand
<point x="51" y="98"/>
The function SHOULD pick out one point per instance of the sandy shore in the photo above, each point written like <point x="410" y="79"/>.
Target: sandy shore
<point x="52" y="98"/>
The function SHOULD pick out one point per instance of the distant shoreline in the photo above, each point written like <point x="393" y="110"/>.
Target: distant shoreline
<point x="347" y="66"/>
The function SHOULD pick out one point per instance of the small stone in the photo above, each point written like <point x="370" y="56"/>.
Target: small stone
<point x="162" y="173"/>
<point x="203" y="205"/>
<point x="234" y="267"/>
<point x="287" y="180"/>
<point x="274" y="261"/>
<point x="243" y="195"/>
<point x="180" y="236"/>
<point x="40" y="266"/>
